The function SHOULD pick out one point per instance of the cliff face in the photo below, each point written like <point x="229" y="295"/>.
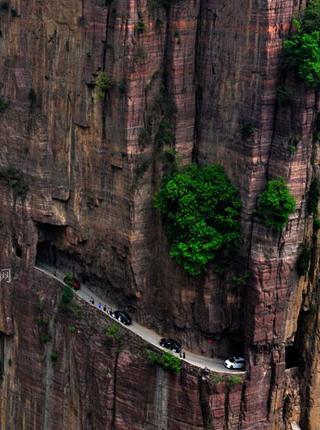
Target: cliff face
<point x="92" y="167"/>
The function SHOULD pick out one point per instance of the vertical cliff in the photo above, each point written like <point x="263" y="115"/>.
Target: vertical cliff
<point x="201" y="69"/>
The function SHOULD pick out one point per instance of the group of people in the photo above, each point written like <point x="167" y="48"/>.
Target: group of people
<point x="182" y="354"/>
<point x="101" y="306"/>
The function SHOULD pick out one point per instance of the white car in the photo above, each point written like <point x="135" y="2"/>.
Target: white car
<point x="235" y="363"/>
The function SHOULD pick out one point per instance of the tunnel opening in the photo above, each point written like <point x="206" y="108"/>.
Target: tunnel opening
<point x="49" y="238"/>
<point x="293" y="358"/>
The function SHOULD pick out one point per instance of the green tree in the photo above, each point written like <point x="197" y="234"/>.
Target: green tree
<point x="303" y="53"/>
<point x="200" y="209"/>
<point x="302" y="50"/>
<point x="104" y="82"/>
<point x="166" y="360"/>
<point x="276" y="204"/>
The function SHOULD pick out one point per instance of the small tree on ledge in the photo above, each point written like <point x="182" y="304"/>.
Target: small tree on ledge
<point x="276" y="204"/>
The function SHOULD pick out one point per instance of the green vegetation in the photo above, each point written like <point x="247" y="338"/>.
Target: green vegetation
<point x="284" y="95"/>
<point x="54" y="356"/>
<point x="302" y="49"/>
<point x="67" y="296"/>
<point x="122" y="86"/>
<point x="170" y="160"/>
<point x="67" y="303"/>
<point x="44" y="338"/>
<point x="43" y="326"/>
<point x="165" y="135"/>
<point x="276" y="204"/>
<point x="292" y="149"/>
<point x="104" y="82"/>
<point x="3" y="105"/>
<point x="113" y="332"/>
<point x="200" y="209"/>
<point x="303" y="261"/>
<point x="316" y="223"/>
<point x="140" y="27"/>
<point x="234" y="380"/>
<point x="72" y="329"/>
<point x="114" y="336"/>
<point x="293" y="143"/>
<point x="15" y="180"/>
<point x="242" y="279"/>
<point x="68" y="279"/>
<point x="140" y="56"/>
<point x="166" y="360"/>
<point x="314" y="195"/>
<point x="158" y="128"/>
<point x="247" y="130"/>
<point x="216" y="378"/>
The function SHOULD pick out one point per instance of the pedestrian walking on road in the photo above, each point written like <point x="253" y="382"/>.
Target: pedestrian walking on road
<point x="183" y="354"/>
<point x="100" y="306"/>
<point x="105" y="308"/>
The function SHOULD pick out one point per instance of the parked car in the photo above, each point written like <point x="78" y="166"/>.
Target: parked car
<point x="235" y="363"/>
<point x="123" y="317"/>
<point x="171" y="344"/>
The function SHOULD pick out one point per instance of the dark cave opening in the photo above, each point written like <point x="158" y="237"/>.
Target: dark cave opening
<point x="49" y="237"/>
<point x="292" y="356"/>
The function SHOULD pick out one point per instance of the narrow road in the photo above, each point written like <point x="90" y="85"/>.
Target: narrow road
<point x="148" y="335"/>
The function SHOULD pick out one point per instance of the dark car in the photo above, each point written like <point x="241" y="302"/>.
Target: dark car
<point x="123" y="317"/>
<point x="171" y="344"/>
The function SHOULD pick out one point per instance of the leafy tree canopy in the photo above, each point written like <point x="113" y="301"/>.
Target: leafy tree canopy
<point x="201" y="210"/>
<point x="302" y="50"/>
<point x="276" y="204"/>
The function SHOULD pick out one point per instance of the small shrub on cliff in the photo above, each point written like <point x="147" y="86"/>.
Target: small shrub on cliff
<point x="140" y="27"/>
<point x="3" y="105"/>
<point x="165" y="134"/>
<point x="316" y="223"/>
<point x="216" y="378"/>
<point x="166" y="360"/>
<point x="276" y="204"/>
<point x="67" y="296"/>
<point x="303" y="261"/>
<point x="104" y="82"/>
<point x="234" y="380"/>
<point x="200" y="209"/>
<point x="68" y="279"/>
<point x="15" y="180"/>
<point x="247" y="130"/>
<point x="54" y="356"/>
<point x="113" y="331"/>
<point x="67" y="303"/>
<point x="302" y="50"/>
<point x="72" y="329"/>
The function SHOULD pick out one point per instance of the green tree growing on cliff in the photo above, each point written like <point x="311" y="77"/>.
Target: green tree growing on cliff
<point x="104" y="82"/>
<point x="276" y="204"/>
<point x="302" y="49"/>
<point x="200" y="209"/>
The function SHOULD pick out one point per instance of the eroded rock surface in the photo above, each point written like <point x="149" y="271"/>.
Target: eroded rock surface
<point x="92" y="167"/>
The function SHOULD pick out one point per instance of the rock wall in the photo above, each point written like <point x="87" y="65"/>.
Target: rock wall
<point x="93" y="165"/>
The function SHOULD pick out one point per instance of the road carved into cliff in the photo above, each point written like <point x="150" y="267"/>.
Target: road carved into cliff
<point x="146" y="334"/>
